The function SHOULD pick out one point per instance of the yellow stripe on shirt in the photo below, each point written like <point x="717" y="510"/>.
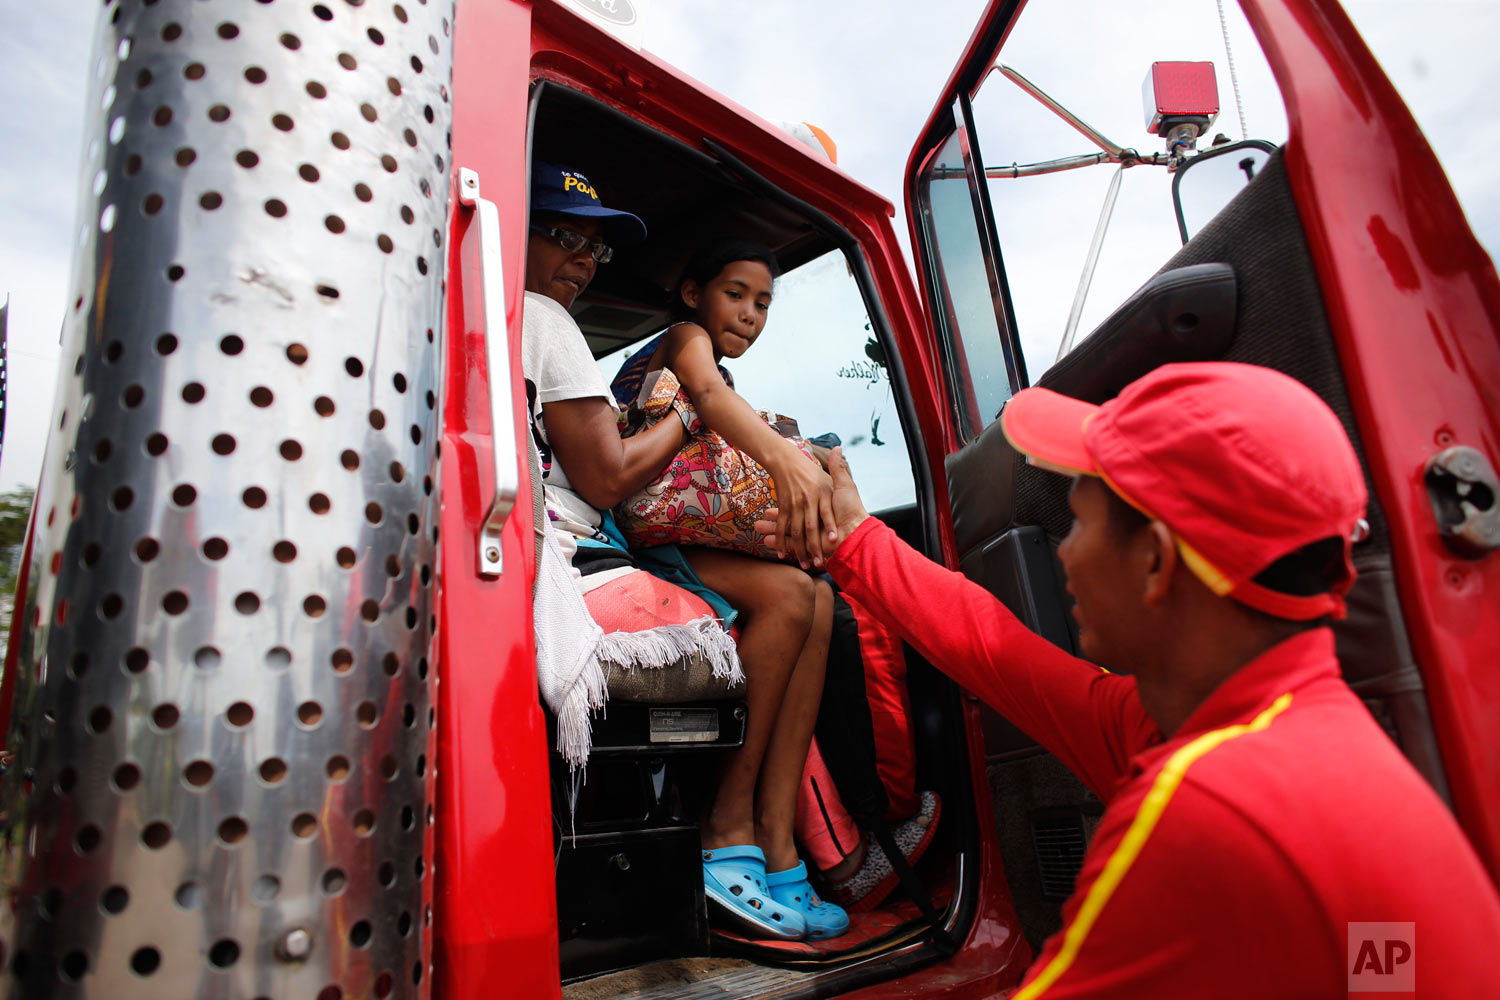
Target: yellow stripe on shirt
<point x="1146" y="818"/>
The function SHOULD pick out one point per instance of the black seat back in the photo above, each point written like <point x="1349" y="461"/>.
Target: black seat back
<point x="1010" y="516"/>
<point x="1279" y="322"/>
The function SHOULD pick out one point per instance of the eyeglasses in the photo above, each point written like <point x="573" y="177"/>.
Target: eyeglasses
<point x="574" y="242"/>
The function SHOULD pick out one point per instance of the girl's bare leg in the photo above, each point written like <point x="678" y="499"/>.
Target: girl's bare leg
<point x="777" y="608"/>
<point x="786" y="756"/>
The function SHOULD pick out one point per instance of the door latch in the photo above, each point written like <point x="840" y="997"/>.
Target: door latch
<point x="1463" y="490"/>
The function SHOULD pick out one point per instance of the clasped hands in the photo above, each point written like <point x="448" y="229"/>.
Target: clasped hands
<point x="834" y="518"/>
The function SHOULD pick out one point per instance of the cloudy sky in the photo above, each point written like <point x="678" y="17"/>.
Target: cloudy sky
<point x="868" y="73"/>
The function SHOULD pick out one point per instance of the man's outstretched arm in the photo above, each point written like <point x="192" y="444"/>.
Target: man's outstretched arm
<point x="1091" y="720"/>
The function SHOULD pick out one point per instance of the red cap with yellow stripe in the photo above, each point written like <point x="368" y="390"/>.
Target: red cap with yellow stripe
<point x="1242" y="463"/>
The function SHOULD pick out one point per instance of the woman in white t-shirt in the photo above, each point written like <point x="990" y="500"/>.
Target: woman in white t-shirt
<point x="751" y="869"/>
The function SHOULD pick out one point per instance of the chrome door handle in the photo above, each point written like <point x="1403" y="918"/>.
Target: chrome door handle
<point x="497" y="357"/>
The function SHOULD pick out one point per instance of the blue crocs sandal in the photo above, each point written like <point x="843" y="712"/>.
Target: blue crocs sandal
<point x="734" y="880"/>
<point x="824" y="919"/>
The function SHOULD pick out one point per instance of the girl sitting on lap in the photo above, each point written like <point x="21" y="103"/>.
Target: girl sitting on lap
<point x="752" y="872"/>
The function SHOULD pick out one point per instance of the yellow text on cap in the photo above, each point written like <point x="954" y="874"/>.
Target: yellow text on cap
<point x="573" y="182"/>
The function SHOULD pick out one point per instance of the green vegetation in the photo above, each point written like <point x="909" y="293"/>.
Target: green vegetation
<point x="15" y="509"/>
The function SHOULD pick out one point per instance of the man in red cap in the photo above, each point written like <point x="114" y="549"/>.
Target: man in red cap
<point x="1262" y="837"/>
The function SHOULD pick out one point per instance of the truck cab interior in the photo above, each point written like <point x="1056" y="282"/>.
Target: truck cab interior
<point x="629" y="873"/>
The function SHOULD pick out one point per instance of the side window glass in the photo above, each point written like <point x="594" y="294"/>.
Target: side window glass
<point x="966" y="314"/>
<point x="818" y="362"/>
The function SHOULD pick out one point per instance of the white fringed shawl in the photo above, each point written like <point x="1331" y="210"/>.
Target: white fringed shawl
<point x="571" y="649"/>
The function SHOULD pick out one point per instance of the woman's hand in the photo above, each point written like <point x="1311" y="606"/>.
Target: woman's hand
<point x="804" y="498"/>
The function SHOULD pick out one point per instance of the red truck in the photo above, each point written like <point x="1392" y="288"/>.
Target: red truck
<point x="270" y="693"/>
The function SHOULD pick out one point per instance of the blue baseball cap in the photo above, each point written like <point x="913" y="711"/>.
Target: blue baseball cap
<point x="568" y="192"/>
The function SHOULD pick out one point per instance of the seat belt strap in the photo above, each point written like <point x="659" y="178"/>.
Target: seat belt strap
<point x="911" y="883"/>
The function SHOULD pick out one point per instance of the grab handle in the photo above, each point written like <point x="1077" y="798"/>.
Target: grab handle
<point x="497" y="356"/>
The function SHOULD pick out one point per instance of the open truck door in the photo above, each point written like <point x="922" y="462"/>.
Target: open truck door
<point x="1340" y="258"/>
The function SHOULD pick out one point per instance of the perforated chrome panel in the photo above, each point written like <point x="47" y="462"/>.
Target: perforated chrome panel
<point x="222" y="715"/>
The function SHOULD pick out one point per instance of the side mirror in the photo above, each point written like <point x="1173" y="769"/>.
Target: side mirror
<point x="1218" y="175"/>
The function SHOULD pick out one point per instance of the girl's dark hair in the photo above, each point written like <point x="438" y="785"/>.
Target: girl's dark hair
<point x="712" y="258"/>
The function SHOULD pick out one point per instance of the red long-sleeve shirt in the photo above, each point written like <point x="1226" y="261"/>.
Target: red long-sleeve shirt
<point x="1232" y="857"/>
